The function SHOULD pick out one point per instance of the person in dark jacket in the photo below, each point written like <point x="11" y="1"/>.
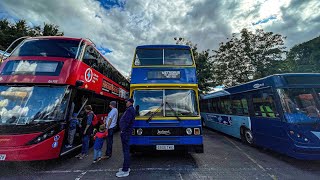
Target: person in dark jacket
<point x="86" y="130"/>
<point x="126" y="127"/>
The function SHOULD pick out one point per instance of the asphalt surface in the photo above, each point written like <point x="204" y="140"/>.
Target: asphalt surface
<point x="224" y="158"/>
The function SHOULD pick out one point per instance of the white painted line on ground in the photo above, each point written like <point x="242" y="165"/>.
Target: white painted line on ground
<point x="81" y="175"/>
<point x="62" y="154"/>
<point x="150" y="169"/>
<point x="251" y="159"/>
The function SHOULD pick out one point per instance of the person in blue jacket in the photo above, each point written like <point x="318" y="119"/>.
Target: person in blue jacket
<point x="126" y="127"/>
<point x="87" y="130"/>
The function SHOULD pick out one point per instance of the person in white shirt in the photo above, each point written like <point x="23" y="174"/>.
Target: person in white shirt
<point x="111" y="122"/>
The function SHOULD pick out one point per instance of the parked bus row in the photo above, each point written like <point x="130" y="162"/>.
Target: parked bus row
<point x="46" y="79"/>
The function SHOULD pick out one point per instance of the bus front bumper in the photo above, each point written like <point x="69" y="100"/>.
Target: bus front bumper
<point x="47" y="149"/>
<point x="305" y="152"/>
<point x="150" y="148"/>
<point x="166" y="143"/>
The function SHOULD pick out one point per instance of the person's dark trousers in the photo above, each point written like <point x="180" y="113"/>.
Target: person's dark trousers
<point x="109" y="140"/>
<point x="85" y="144"/>
<point x="126" y="151"/>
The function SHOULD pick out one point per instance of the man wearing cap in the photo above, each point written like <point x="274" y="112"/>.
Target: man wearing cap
<point x="111" y="122"/>
<point x="126" y="127"/>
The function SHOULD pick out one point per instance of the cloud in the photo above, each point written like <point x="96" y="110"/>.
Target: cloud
<point x="118" y="26"/>
<point x="300" y="22"/>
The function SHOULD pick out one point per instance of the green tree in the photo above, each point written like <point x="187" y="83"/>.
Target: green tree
<point x="203" y="65"/>
<point x="51" y="30"/>
<point x="12" y="31"/>
<point x="247" y="56"/>
<point x="305" y="57"/>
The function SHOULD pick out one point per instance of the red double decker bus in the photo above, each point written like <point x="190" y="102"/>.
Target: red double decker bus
<point x="42" y="82"/>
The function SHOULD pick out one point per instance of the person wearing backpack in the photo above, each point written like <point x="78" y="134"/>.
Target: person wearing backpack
<point x="87" y="130"/>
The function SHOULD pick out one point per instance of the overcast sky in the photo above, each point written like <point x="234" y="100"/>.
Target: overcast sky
<point x="119" y="26"/>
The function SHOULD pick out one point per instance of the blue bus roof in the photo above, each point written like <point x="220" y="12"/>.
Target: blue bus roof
<point x="276" y="81"/>
<point x="175" y="46"/>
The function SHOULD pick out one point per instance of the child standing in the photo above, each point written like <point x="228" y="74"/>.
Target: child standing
<point x="74" y="122"/>
<point x="98" y="143"/>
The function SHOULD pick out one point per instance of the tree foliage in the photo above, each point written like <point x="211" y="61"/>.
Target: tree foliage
<point x="203" y="64"/>
<point x="12" y="31"/>
<point x="248" y="56"/>
<point x="305" y="57"/>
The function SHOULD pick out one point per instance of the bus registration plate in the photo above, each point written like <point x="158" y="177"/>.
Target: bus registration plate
<point x="165" y="147"/>
<point x="2" y="157"/>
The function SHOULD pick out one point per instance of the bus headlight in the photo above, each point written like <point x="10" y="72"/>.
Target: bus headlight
<point x="196" y="131"/>
<point x="139" y="131"/>
<point x="189" y="131"/>
<point x="298" y="137"/>
<point x="45" y="135"/>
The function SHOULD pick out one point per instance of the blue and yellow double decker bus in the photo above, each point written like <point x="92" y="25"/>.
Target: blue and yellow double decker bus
<point x="165" y="92"/>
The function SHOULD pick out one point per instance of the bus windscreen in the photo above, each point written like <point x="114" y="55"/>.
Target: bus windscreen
<point x="25" y="105"/>
<point x="154" y="57"/>
<point x="299" y="104"/>
<point x="48" y="48"/>
<point x="173" y="102"/>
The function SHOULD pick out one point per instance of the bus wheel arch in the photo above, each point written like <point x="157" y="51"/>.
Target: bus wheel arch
<point x="246" y="135"/>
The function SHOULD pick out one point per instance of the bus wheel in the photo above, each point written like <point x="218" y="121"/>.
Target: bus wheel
<point x="248" y="136"/>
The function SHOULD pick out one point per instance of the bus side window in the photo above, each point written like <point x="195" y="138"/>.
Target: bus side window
<point x="90" y="57"/>
<point x="226" y="105"/>
<point x="239" y="105"/>
<point x="263" y="104"/>
<point x="215" y="105"/>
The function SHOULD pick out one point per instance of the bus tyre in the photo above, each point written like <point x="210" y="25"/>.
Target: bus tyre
<point x="248" y="136"/>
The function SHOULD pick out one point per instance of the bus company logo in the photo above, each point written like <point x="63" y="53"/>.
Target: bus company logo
<point x="56" y="138"/>
<point x="258" y="85"/>
<point x="55" y="144"/>
<point x="163" y="132"/>
<point x="88" y="75"/>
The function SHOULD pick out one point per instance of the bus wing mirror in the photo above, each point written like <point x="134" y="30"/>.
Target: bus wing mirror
<point x="79" y="83"/>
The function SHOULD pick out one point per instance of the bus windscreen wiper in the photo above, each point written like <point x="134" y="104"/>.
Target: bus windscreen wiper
<point x="155" y="112"/>
<point x="175" y="112"/>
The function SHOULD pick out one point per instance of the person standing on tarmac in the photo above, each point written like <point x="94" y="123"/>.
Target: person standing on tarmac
<point x="126" y="127"/>
<point x="87" y="130"/>
<point x="110" y="123"/>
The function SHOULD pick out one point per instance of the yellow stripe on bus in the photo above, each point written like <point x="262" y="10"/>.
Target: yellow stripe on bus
<point x="164" y="85"/>
<point x="167" y="118"/>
